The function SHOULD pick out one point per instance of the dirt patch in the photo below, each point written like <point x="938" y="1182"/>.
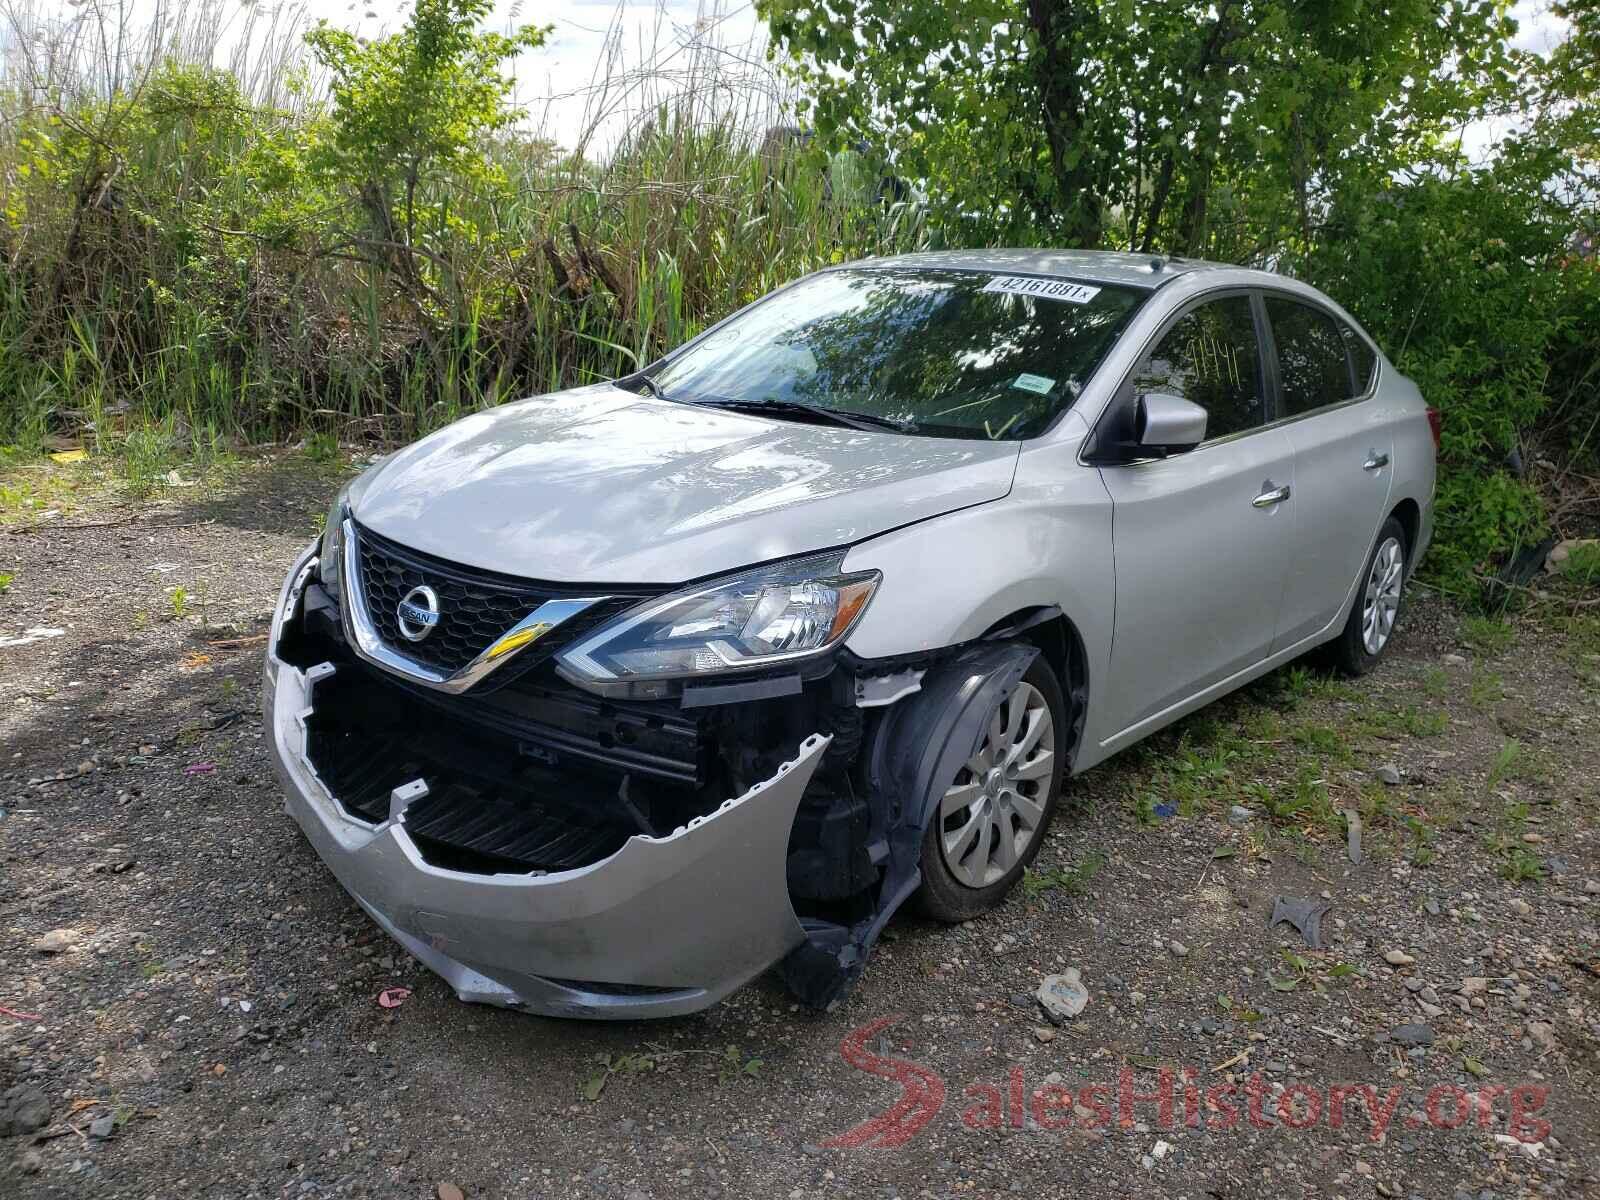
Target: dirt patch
<point x="204" y="1020"/>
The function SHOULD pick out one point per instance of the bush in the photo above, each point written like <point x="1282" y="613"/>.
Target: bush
<point x="1469" y="284"/>
<point x="207" y="261"/>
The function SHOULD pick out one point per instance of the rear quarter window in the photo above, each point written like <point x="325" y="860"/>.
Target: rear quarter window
<point x="1363" y="359"/>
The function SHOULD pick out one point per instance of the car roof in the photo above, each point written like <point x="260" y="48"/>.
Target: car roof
<point x="1105" y="266"/>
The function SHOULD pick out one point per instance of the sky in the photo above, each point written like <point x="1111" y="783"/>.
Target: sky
<point x="604" y="60"/>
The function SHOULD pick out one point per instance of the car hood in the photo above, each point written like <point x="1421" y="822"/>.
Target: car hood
<point x="601" y="485"/>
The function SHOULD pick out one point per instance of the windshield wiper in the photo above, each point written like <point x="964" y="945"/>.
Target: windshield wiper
<point x="654" y="388"/>
<point x="838" y="416"/>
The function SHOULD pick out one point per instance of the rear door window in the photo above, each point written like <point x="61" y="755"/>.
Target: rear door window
<point x="1211" y="357"/>
<point x="1313" y="362"/>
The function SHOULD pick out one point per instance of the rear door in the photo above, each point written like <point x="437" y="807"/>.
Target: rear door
<point x="1201" y="539"/>
<point x="1343" y="446"/>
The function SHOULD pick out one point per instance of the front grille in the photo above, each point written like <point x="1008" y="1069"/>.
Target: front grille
<point x="475" y="607"/>
<point x="501" y="800"/>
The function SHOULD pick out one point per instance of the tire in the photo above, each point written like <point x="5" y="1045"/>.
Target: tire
<point x="1359" y="646"/>
<point x="966" y="868"/>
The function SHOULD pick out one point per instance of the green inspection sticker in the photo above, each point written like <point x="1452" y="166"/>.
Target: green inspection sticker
<point x="1034" y="383"/>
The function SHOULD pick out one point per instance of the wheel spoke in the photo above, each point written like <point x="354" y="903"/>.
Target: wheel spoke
<point x="1005" y="845"/>
<point x="959" y="797"/>
<point x="1037" y="767"/>
<point x="997" y="733"/>
<point x="985" y="847"/>
<point x="1037" y="724"/>
<point x="1015" y="709"/>
<point x="1029" y="811"/>
<point x="956" y="844"/>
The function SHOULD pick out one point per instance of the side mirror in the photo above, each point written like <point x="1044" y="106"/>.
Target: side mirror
<point x="1167" y="423"/>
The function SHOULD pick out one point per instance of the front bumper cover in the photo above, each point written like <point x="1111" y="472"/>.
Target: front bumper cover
<point x="663" y="926"/>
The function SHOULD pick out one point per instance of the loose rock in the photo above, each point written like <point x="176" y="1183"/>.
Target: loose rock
<point x="23" y="1109"/>
<point x="1398" y="958"/>
<point x="1388" y="774"/>
<point x="1412" y="1035"/>
<point x="56" y="941"/>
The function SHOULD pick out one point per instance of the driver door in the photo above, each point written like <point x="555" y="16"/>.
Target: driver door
<point x="1202" y="539"/>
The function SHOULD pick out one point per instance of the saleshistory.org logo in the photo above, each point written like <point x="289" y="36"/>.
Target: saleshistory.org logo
<point x="1179" y="1096"/>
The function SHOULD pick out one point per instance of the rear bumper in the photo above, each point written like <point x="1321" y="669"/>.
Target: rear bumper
<point x="665" y="925"/>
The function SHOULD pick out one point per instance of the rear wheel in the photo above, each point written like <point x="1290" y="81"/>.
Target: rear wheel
<point x="1372" y="619"/>
<point x="992" y="816"/>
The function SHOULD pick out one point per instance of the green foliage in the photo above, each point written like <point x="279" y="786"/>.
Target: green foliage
<point x="1189" y="127"/>
<point x="1072" y="881"/>
<point x="1583" y="565"/>
<point x="1487" y="634"/>
<point x="194" y="260"/>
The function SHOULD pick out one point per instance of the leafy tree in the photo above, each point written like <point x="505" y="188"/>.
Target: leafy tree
<point x="1193" y="127"/>
<point x="414" y="111"/>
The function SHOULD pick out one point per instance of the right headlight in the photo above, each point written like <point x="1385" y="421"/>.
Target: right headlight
<point x="766" y="617"/>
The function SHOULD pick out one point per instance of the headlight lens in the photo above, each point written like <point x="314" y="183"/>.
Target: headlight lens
<point x="331" y="563"/>
<point x="756" y="619"/>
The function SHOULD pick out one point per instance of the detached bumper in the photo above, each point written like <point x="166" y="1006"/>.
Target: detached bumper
<point x="665" y="925"/>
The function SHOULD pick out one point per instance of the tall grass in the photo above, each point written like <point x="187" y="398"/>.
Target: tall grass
<point x="172" y="268"/>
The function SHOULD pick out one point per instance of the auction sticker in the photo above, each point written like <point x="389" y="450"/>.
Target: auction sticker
<point x="1045" y="289"/>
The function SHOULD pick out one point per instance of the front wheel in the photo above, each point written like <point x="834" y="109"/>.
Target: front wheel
<point x="1372" y="618"/>
<point x="992" y="817"/>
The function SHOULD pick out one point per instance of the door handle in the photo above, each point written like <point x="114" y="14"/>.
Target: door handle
<point x="1272" y="495"/>
<point x="1376" y="460"/>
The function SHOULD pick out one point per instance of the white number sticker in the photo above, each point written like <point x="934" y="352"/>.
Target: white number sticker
<point x="1045" y="289"/>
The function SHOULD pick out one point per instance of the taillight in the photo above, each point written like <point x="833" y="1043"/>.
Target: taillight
<point x="1435" y="424"/>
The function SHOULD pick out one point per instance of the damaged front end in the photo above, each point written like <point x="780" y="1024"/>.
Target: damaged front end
<point x="543" y="847"/>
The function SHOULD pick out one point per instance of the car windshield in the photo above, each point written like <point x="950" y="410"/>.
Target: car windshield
<point x="943" y="353"/>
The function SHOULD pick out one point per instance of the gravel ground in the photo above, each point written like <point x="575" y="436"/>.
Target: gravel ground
<point x="189" y="1000"/>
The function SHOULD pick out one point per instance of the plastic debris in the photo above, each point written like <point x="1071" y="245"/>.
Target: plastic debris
<point x="1165" y="810"/>
<point x="200" y="768"/>
<point x="393" y="997"/>
<point x="1062" y="996"/>
<point x="20" y="1016"/>
<point x="69" y="456"/>
<point x="37" y="634"/>
<point x="1531" y="1149"/>
<point x="1352" y="826"/>
<point x="1305" y="915"/>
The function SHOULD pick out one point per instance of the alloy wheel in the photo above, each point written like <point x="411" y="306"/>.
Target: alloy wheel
<point x="1382" y="603"/>
<point x="995" y="808"/>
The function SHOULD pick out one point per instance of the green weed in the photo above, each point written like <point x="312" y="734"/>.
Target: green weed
<point x="1490" y="635"/>
<point x="1072" y="881"/>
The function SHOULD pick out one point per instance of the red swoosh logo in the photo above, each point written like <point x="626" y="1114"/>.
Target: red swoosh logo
<point x="921" y="1093"/>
